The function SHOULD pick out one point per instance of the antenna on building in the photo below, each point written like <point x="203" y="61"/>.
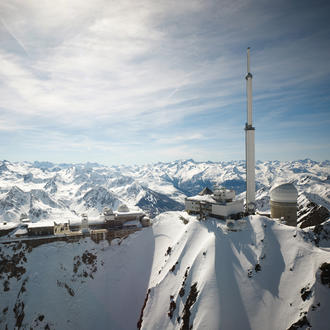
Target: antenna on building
<point x="249" y="144"/>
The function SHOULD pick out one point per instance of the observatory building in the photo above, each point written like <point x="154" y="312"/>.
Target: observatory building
<point x="218" y="204"/>
<point x="283" y="203"/>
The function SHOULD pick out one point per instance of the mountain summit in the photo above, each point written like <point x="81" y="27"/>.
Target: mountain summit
<point x="180" y="273"/>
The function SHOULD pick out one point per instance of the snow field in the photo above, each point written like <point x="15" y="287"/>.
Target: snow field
<point x="228" y="297"/>
<point x="250" y="279"/>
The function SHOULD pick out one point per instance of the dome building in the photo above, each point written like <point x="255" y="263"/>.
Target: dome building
<point x="123" y="208"/>
<point x="283" y="203"/>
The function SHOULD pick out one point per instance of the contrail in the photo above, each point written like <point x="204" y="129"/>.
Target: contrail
<point x="14" y="37"/>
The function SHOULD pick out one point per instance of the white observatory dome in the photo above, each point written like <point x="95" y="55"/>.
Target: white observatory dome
<point x="284" y="193"/>
<point x="123" y="208"/>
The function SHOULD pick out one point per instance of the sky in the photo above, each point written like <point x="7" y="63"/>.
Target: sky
<point x="134" y="82"/>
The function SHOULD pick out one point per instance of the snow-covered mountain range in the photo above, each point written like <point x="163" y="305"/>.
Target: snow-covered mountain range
<point x="43" y="190"/>
<point x="180" y="273"/>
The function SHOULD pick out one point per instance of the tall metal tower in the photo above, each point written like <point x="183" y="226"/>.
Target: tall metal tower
<point x="249" y="144"/>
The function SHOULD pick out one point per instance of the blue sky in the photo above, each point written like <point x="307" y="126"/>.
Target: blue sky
<point x="145" y="81"/>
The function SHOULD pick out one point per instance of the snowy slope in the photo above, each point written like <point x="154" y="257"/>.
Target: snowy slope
<point x="78" y="285"/>
<point x="177" y="273"/>
<point x="232" y="292"/>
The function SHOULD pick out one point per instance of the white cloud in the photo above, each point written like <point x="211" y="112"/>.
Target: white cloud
<point x="133" y="71"/>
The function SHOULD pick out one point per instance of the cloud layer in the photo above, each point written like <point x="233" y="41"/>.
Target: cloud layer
<point x="123" y="81"/>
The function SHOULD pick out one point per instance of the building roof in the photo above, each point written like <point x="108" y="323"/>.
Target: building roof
<point x="21" y="231"/>
<point x="200" y="198"/>
<point x="123" y="208"/>
<point x="206" y="191"/>
<point x="41" y="224"/>
<point x="91" y="221"/>
<point x="129" y="213"/>
<point x="210" y="199"/>
<point x="285" y="193"/>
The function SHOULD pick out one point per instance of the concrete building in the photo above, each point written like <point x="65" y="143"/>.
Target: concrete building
<point x="108" y="214"/>
<point x="41" y="228"/>
<point x="118" y="218"/>
<point x="283" y="203"/>
<point x="220" y="204"/>
<point x="84" y="224"/>
<point x="98" y="227"/>
<point x="98" y="235"/>
<point x="124" y="214"/>
<point x="61" y="228"/>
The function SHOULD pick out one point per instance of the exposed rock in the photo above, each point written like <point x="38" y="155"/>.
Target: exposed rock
<point x="257" y="268"/>
<point x="10" y="266"/>
<point x="139" y="324"/>
<point x="325" y="274"/>
<point x="171" y="309"/>
<point x="168" y="252"/>
<point x="312" y="215"/>
<point x="186" y="311"/>
<point x="6" y="285"/>
<point x="88" y="258"/>
<point x="70" y="291"/>
<point x="182" y="290"/>
<point x="184" y="220"/>
<point x="321" y="233"/>
<point x="84" y="266"/>
<point x="19" y="313"/>
<point x="300" y="323"/>
<point x="173" y="267"/>
<point x="65" y="285"/>
<point x="305" y="293"/>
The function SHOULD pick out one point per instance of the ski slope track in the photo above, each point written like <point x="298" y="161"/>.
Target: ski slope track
<point x="180" y="273"/>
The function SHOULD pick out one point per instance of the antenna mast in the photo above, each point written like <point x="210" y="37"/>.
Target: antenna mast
<point x="249" y="144"/>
